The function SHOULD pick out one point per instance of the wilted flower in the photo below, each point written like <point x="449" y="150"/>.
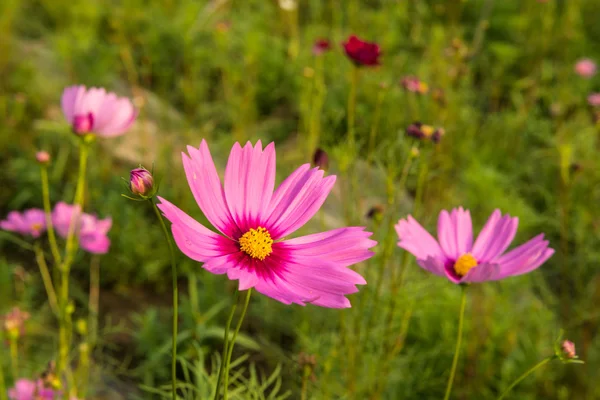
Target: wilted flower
<point x="321" y="46"/>
<point x="26" y="389"/>
<point x="31" y="222"/>
<point x="96" y="111"/>
<point x="91" y="231"/>
<point x="455" y="256"/>
<point x="437" y="135"/>
<point x="321" y="159"/>
<point x="362" y="53"/>
<point x="254" y="220"/>
<point x="375" y="212"/>
<point x="141" y="182"/>
<point x="414" y="85"/>
<point x="42" y="157"/>
<point x="568" y="349"/>
<point x="14" y="322"/>
<point x="594" y="99"/>
<point x="585" y="68"/>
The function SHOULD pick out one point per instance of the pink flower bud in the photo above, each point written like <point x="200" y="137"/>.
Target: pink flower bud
<point x="321" y="159"/>
<point x="42" y="157"/>
<point x="141" y="182"/>
<point x="585" y="68"/>
<point x="568" y="349"/>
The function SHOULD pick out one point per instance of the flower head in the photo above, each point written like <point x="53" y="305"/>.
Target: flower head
<point x="362" y="53"/>
<point x="321" y="46"/>
<point x="414" y="85"/>
<point x="42" y="157"/>
<point x="96" y="111"/>
<point x="91" y="231"/>
<point x="14" y="322"/>
<point x="30" y="222"/>
<point x="26" y="389"/>
<point x="568" y="349"/>
<point x="141" y="182"/>
<point x="585" y="68"/>
<point x="254" y="218"/>
<point x="594" y="99"/>
<point x="455" y="256"/>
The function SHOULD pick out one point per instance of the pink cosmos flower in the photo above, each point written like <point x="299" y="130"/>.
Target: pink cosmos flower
<point x="96" y="111"/>
<point x="31" y="222"/>
<point x="254" y="219"/>
<point x="455" y="256"/>
<point x="594" y="99"/>
<point x="585" y="68"/>
<point x="26" y="389"/>
<point x="91" y="231"/>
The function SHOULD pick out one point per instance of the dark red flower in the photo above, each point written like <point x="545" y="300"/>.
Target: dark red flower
<point x="361" y="52"/>
<point x="321" y="46"/>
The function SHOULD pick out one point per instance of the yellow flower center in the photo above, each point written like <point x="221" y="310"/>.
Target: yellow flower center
<point x="36" y="227"/>
<point x="464" y="264"/>
<point x="427" y="130"/>
<point x="257" y="243"/>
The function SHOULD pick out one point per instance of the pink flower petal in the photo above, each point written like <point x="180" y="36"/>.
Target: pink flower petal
<point x="455" y="232"/>
<point x="417" y="241"/>
<point x="297" y="199"/>
<point x="482" y="272"/>
<point x="249" y="183"/>
<point x="69" y="100"/>
<point x="115" y="116"/>
<point x="433" y="265"/>
<point x="209" y="194"/>
<point x="95" y="243"/>
<point x="525" y="258"/>
<point x="495" y="237"/>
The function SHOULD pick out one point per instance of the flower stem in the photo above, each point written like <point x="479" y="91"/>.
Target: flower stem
<point x="3" y="393"/>
<point x="94" y="300"/>
<point x="463" y="302"/>
<point x="175" y="299"/>
<point x="14" y="355"/>
<point x="232" y="343"/>
<point x="305" y="375"/>
<point x="47" y="279"/>
<point x="375" y="124"/>
<point x="352" y="105"/>
<point x="225" y="344"/>
<point x="47" y="211"/>
<point x="18" y="241"/>
<point x="527" y="373"/>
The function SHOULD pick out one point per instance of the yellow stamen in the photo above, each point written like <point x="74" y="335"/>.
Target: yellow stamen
<point x="36" y="227"/>
<point x="427" y="130"/>
<point x="464" y="264"/>
<point x="257" y="243"/>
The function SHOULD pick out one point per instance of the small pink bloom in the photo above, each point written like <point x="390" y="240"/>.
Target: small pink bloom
<point x="321" y="46"/>
<point x="414" y="85"/>
<point x="255" y="220"/>
<point x="14" y="321"/>
<point x="585" y="68"/>
<point x="594" y="99"/>
<point x="91" y="231"/>
<point x="26" y="389"/>
<point x="455" y="256"/>
<point x="568" y="349"/>
<point x="362" y="53"/>
<point x="96" y="111"/>
<point x="31" y="222"/>
<point x="42" y="157"/>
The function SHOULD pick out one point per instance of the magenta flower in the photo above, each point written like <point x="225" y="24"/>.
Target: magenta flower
<point x="91" y="231"/>
<point x="254" y="219"/>
<point x="26" y="389"/>
<point x="594" y="99"/>
<point x="362" y="53"/>
<point x="96" y="111"/>
<point x="141" y="182"/>
<point x="585" y="68"/>
<point x="321" y="46"/>
<point x="31" y="222"/>
<point x="455" y="256"/>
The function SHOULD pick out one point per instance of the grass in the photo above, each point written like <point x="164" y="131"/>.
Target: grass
<point x="519" y="137"/>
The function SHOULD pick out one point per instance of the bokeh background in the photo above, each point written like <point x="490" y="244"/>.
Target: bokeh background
<point x="519" y="136"/>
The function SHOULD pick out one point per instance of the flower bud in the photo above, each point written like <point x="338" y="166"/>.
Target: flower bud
<point x="437" y="135"/>
<point x="321" y="159"/>
<point x="42" y="157"/>
<point x="568" y="349"/>
<point x="141" y="182"/>
<point x="321" y="46"/>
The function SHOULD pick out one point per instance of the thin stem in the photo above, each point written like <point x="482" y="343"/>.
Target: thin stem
<point x="232" y="343"/>
<point x="16" y="240"/>
<point x="527" y="373"/>
<point x="47" y="211"/>
<point x="47" y="279"/>
<point x="352" y="104"/>
<point x="305" y="375"/>
<point x="375" y="124"/>
<point x="463" y="303"/>
<point x="14" y="355"/>
<point x="226" y="344"/>
<point x="94" y="300"/>
<point x="175" y="299"/>
<point x="3" y="393"/>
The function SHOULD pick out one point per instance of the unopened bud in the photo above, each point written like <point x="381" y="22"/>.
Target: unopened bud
<point x="568" y="349"/>
<point x="437" y="135"/>
<point x="376" y="212"/>
<point x="321" y="159"/>
<point x="141" y="182"/>
<point x="42" y="157"/>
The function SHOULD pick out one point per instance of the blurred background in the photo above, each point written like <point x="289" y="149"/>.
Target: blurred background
<point x="520" y="133"/>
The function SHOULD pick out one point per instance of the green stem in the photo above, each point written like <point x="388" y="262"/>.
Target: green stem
<point x="527" y="373"/>
<point x="14" y="356"/>
<point x="47" y="279"/>
<point x="3" y="392"/>
<point x="48" y="212"/>
<point x="16" y="240"/>
<point x="305" y="375"/>
<point x="175" y="299"/>
<point x="463" y="303"/>
<point x="352" y="105"/>
<point x="375" y="124"/>
<point x="232" y="343"/>
<point x="94" y="300"/>
<point x="226" y="344"/>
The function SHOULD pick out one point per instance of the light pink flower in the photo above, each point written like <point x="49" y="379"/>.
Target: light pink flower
<point x="455" y="256"/>
<point x="91" y="231"/>
<point x="43" y="157"/>
<point x="31" y="222"/>
<point x="96" y="111"/>
<point x="254" y="218"/>
<point x="585" y="68"/>
<point x="26" y="389"/>
<point x="594" y="99"/>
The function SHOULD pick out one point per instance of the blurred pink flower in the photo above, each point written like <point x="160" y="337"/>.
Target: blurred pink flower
<point x="30" y="222"/>
<point x="43" y="157"/>
<point x="585" y="68"/>
<point x="26" y="389"/>
<point x="91" y="231"/>
<point x="414" y="84"/>
<point x="568" y="349"/>
<point x="13" y="322"/>
<point x="96" y="111"/>
<point x="254" y="219"/>
<point x="594" y="99"/>
<point x="321" y="46"/>
<point x="455" y="256"/>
